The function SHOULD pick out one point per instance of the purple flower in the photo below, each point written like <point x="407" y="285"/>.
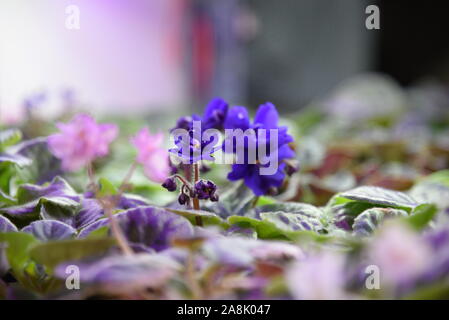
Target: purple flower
<point x="191" y="146"/>
<point x="81" y="141"/>
<point x="215" y="114"/>
<point x="152" y="155"/>
<point x="266" y="118"/>
<point x="205" y="189"/>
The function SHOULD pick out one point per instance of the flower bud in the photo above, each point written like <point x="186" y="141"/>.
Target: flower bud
<point x="183" y="199"/>
<point x="170" y="184"/>
<point x="204" y="189"/>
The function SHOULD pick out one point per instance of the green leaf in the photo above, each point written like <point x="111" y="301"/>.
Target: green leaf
<point x="235" y="201"/>
<point x="51" y="254"/>
<point x="264" y="229"/>
<point x="292" y="207"/>
<point x="379" y="196"/>
<point x="9" y="138"/>
<point x="106" y="188"/>
<point x="370" y="219"/>
<point x="289" y="223"/>
<point x="440" y="177"/>
<point x="6" y="199"/>
<point x="208" y="218"/>
<point x="17" y="251"/>
<point x="264" y="200"/>
<point x="421" y="216"/>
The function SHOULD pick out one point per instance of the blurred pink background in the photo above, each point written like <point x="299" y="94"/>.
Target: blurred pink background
<point x="125" y="54"/>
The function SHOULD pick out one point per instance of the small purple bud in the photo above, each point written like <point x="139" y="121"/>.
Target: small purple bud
<point x="204" y="189"/>
<point x="183" y="199"/>
<point x="170" y="184"/>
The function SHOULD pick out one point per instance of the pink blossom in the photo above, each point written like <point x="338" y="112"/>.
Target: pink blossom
<point x="318" y="277"/>
<point x="399" y="253"/>
<point x="81" y="141"/>
<point x="152" y="154"/>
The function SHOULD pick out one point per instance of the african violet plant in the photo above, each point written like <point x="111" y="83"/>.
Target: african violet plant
<point x="236" y="240"/>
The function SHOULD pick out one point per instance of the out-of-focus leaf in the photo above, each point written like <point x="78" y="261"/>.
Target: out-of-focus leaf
<point x="421" y="216"/>
<point x="292" y="207"/>
<point x="54" y="201"/>
<point x="56" y="188"/>
<point x="46" y="230"/>
<point x="6" y="225"/>
<point x="17" y="251"/>
<point x="264" y="229"/>
<point x="122" y="274"/>
<point x="106" y="188"/>
<point x="439" y="177"/>
<point x="207" y="218"/>
<point x="432" y="192"/>
<point x="370" y="219"/>
<point x="6" y="199"/>
<point x="50" y="254"/>
<point x="380" y="196"/>
<point x="150" y="227"/>
<point x="235" y="201"/>
<point x="9" y="138"/>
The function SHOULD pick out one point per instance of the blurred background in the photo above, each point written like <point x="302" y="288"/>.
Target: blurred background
<point x="156" y="56"/>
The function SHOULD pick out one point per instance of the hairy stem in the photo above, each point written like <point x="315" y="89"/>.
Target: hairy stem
<point x="115" y="228"/>
<point x="196" y="201"/>
<point x="127" y="178"/>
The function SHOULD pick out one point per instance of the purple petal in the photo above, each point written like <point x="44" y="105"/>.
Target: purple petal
<point x="267" y="116"/>
<point x="237" y="118"/>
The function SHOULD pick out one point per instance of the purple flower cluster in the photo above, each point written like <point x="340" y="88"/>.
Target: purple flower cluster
<point x="192" y="151"/>
<point x="266" y="118"/>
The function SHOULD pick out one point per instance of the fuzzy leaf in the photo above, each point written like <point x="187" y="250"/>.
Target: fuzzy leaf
<point x="50" y="254"/>
<point x="46" y="230"/>
<point x="380" y="196"/>
<point x="370" y="219"/>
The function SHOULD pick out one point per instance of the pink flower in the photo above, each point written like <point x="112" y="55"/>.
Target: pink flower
<point x="152" y="155"/>
<point x="81" y="141"/>
<point x="399" y="253"/>
<point x="318" y="277"/>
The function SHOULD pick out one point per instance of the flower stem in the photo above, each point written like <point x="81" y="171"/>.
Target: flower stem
<point x="127" y="178"/>
<point x="254" y="204"/>
<point x="196" y="201"/>
<point x="116" y="230"/>
<point x="91" y="176"/>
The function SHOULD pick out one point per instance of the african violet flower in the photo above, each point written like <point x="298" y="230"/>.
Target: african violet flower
<point x="266" y="118"/>
<point x="206" y="189"/>
<point x="190" y="148"/>
<point x="81" y="141"/>
<point x="152" y="155"/>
